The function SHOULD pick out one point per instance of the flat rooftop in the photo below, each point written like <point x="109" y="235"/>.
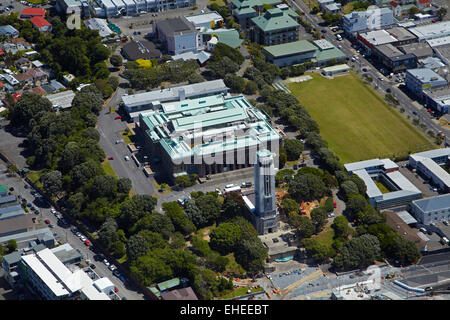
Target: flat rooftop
<point x="378" y="37"/>
<point x="434" y="203"/>
<point x="401" y="34"/>
<point x="203" y="18"/>
<point x="432" y="30"/>
<point x="425" y="75"/>
<point x="443" y="41"/>
<point x="289" y="49"/>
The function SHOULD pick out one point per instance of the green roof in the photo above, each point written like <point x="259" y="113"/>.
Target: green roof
<point x="290" y="48"/>
<point x="169" y="284"/>
<point x="228" y="37"/>
<point x="274" y="19"/>
<point x="253" y="3"/>
<point x="244" y="10"/>
<point x="329" y="54"/>
<point x="3" y="189"/>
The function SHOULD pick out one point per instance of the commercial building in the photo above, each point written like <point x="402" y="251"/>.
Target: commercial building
<point x="68" y="7"/>
<point x="44" y="274"/>
<point x="41" y="24"/>
<point x="432" y="63"/>
<point x="386" y="171"/>
<point x="432" y="209"/>
<point x="393" y="59"/>
<point x="420" y="80"/>
<point x="332" y="8"/>
<point x="438" y="99"/>
<point x="177" y="34"/>
<point x="11" y="211"/>
<point x="137" y="103"/>
<point x="208" y="20"/>
<point x="16" y="224"/>
<point x="9" y="31"/>
<point x="402" y="35"/>
<point x="33" y="12"/>
<point x="421" y="50"/>
<point x="371" y="19"/>
<point x="140" y="49"/>
<point x="321" y="52"/>
<point x="42" y="236"/>
<point x="429" y="163"/>
<point x="61" y="100"/>
<point x="275" y="26"/>
<point x="206" y="135"/>
<point x="371" y="39"/>
<point x="431" y="31"/>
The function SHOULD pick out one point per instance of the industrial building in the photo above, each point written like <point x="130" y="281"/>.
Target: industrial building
<point x="178" y="35"/>
<point x="45" y="275"/>
<point x="275" y="26"/>
<point x="61" y="100"/>
<point x="9" y="31"/>
<point x="149" y="101"/>
<point x="371" y="19"/>
<point x="101" y="25"/>
<point x="431" y="31"/>
<point x="432" y="210"/>
<point x="206" y="135"/>
<point x="420" y="80"/>
<point x="387" y="172"/>
<point x="429" y="163"/>
<point x="140" y="49"/>
<point x="321" y="52"/>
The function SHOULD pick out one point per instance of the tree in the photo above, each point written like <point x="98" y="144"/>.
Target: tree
<point x="233" y="206"/>
<point x="75" y="203"/>
<point x="251" y="87"/>
<point x="413" y="10"/>
<point x="405" y="251"/>
<point x="304" y="226"/>
<point x="29" y="107"/>
<point x="104" y="186"/>
<point x="348" y="187"/>
<point x="12" y="245"/>
<point x="117" y="248"/>
<point x="359" y="252"/>
<point x="134" y="209"/>
<point x="124" y="185"/>
<point x="195" y="78"/>
<point x="210" y="208"/>
<point x="284" y="175"/>
<point x="441" y="13"/>
<point x="116" y="60"/>
<point x="113" y="81"/>
<point x="91" y="133"/>
<point x="307" y="187"/>
<point x="341" y="227"/>
<point x="85" y="171"/>
<point x="354" y="206"/>
<point x="289" y="205"/>
<point x="362" y="188"/>
<point x="137" y="246"/>
<point x="235" y="83"/>
<point x="319" y="218"/>
<point x="89" y="98"/>
<point x="222" y="67"/>
<point x="178" y="217"/>
<point x="294" y="149"/>
<point x="225" y="237"/>
<point x="318" y="250"/>
<point x="52" y="182"/>
<point x="251" y="254"/>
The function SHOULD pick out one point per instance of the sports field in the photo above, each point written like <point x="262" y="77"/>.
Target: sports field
<point x="355" y="121"/>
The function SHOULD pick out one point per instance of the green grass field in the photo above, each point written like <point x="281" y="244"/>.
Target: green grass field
<point x="382" y="187"/>
<point x="108" y="169"/>
<point x="355" y="121"/>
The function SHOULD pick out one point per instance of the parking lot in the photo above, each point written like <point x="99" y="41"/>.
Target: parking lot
<point x="419" y="182"/>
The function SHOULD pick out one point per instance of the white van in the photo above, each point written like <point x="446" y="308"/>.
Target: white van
<point x="444" y="240"/>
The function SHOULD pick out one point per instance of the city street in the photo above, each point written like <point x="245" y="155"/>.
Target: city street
<point x="63" y="234"/>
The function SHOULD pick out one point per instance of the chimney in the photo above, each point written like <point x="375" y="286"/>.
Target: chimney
<point x="182" y="94"/>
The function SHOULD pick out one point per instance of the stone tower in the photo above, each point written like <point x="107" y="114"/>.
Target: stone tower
<point x="266" y="214"/>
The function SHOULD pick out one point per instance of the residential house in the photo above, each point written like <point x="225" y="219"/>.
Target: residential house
<point x="41" y="24"/>
<point x="23" y="64"/>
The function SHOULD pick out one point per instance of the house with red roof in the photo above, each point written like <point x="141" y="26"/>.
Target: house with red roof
<point x="41" y="24"/>
<point x="38" y="90"/>
<point x="423" y="4"/>
<point x="33" y="12"/>
<point x="16" y="96"/>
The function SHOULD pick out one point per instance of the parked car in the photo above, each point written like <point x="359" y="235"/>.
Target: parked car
<point x="110" y="158"/>
<point x="445" y="222"/>
<point x="112" y="267"/>
<point x="83" y="238"/>
<point x="92" y="266"/>
<point x="118" y="117"/>
<point x="87" y="242"/>
<point x="47" y="221"/>
<point x="11" y="189"/>
<point x="106" y="262"/>
<point x="127" y="158"/>
<point x="334" y="204"/>
<point x="51" y="225"/>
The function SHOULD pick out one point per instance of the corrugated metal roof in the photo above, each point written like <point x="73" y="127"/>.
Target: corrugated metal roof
<point x="169" y="284"/>
<point x="362" y="164"/>
<point x="291" y="48"/>
<point x="406" y="217"/>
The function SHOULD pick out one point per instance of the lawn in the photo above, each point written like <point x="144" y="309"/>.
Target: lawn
<point x="108" y="169"/>
<point x="240" y="292"/>
<point x="35" y="176"/>
<point x="128" y="137"/>
<point x="382" y="187"/>
<point x="221" y="3"/>
<point x="326" y="235"/>
<point x="355" y="121"/>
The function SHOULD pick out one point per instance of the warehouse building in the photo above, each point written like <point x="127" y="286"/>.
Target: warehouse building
<point x="393" y="59"/>
<point x="206" y="135"/>
<point x="150" y="101"/>
<point x="432" y="210"/>
<point x="431" y="31"/>
<point x="9" y="31"/>
<point x="441" y="48"/>
<point x="420" y="80"/>
<point x="429" y="163"/>
<point x="61" y="100"/>
<point x="387" y="172"/>
<point x="101" y="25"/>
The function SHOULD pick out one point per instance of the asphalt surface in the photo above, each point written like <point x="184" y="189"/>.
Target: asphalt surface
<point x="64" y="234"/>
